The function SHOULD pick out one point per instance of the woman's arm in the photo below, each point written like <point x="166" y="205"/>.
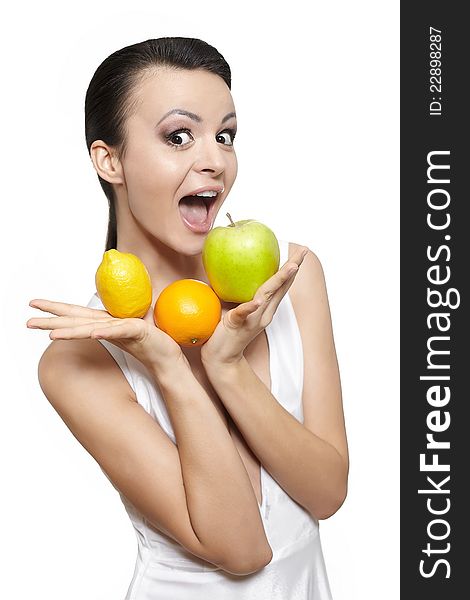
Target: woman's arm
<point x="221" y="502"/>
<point x="197" y="492"/>
<point x="217" y="508"/>
<point x="309" y="460"/>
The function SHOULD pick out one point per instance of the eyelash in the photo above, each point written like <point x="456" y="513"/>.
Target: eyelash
<point x="168" y="137"/>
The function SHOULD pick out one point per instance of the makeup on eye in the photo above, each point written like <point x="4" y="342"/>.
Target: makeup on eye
<point x="232" y="133"/>
<point x="184" y="130"/>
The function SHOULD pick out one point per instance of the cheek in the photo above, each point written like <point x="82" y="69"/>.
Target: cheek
<point x="233" y="169"/>
<point x="153" y="179"/>
<point x="155" y="174"/>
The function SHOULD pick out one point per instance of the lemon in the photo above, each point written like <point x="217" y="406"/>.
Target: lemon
<point x="123" y="284"/>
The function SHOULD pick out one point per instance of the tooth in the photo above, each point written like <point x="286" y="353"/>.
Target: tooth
<point x="207" y="194"/>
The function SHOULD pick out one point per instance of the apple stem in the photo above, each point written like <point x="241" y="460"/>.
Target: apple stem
<point x="232" y="224"/>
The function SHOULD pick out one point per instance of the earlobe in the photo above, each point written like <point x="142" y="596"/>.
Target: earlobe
<point x="105" y="162"/>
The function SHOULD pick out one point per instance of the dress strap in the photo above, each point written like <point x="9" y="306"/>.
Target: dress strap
<point x="116" y="353"/>
<point x="286" y="351"/>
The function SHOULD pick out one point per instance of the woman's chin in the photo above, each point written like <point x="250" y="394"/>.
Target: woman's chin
<point x="190" y="246"/>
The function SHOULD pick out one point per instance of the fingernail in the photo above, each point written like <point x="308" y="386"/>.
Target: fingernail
<point x="292" y="270"/>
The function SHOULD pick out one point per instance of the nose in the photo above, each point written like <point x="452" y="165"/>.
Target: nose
<point x="210" y="157"/>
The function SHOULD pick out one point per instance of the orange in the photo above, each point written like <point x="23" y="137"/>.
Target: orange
<point x="188" y="310"/>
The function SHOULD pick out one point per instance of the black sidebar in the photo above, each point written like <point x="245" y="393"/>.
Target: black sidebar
<point x="434" y="260"/>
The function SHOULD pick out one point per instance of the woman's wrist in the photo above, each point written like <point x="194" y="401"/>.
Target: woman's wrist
<point x="211" y="362"/>
<point x="222" y="368"/>
<point x="170" y="370"/>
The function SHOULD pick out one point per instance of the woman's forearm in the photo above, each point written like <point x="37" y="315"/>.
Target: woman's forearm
<point x="222" y="506"/>
<point x="310" y="469"/>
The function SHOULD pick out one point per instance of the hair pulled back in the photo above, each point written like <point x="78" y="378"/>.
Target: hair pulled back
<point x="109" y="98"/>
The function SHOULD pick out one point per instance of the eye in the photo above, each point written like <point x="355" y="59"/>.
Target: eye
<point x="227" y="136"/>
<point x="177" y="138"/>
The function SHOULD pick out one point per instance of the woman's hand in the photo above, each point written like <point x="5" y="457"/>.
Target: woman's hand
<point x="240" y="325"/>
<point x="141" y="338"/>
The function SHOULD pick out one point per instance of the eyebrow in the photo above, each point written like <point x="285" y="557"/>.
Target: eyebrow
<point x="193" y="116"/>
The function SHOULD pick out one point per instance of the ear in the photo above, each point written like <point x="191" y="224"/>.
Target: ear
<point x="106" y="163"/>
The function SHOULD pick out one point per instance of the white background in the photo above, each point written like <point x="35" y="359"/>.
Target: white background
<point x="315" y="86"/>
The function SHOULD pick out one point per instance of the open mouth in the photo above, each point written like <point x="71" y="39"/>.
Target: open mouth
<point x="197" y="212"/>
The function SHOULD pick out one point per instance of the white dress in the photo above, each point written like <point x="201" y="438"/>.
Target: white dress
<point x="164" y="570"/>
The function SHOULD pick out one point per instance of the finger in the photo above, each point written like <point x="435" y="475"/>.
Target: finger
<point x="286" y="272"/>
<point x="271" y="299"/>
<point x="298" y="257"/>
<point x="237" y="316"/>
<point x="81" y="332"/>
<point x="272" y="304"/>
<point x="270" y="287"/>
<point x="124" y="329"/>
<point x="67" y="310"/>
<point x="61" y="322"/>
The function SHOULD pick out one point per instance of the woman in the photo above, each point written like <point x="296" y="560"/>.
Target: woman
<point x="225" y="455"/>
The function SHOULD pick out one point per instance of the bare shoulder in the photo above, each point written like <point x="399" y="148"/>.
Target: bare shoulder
<point x="63" y="359"/>
<point x="309" y="278"/>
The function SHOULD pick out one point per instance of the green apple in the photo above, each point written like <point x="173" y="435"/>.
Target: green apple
<point x="239" y="258"/>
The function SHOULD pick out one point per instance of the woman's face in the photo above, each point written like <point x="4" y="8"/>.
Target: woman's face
<point x="171" y="155"/>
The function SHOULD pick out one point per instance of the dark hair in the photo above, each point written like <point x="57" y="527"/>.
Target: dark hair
<point x="109" y="98"/>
